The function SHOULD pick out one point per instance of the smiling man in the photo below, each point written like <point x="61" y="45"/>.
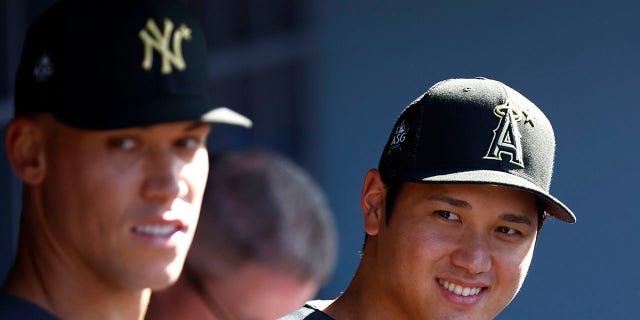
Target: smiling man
<point x="454" y="209"/>
<point x="109" y="140"/>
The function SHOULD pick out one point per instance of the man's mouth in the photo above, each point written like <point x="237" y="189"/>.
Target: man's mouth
<point x="157" y="230"/>
<point x="458" y="289"/>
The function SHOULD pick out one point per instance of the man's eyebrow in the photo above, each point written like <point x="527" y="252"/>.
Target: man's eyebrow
<point x="196" y="125"/>
<point x="516" y="218"/>
<point x="450" y="200"/>
<point x="193" y="125"/>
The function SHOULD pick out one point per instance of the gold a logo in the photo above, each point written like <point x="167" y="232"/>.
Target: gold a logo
<point x="153" y="39"/>
<point x="506" y="136"/>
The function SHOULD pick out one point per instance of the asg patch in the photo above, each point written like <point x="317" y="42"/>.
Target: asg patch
<point x="398" y="137"/>
<point x="153" y="39"/>
<point x="506" y="136"/>
<point x="43" y="69"/>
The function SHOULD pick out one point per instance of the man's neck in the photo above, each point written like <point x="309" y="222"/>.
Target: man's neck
<point x="70" y="300"/>
<point x="364" y="298"/>
<point x="69" y="290"/>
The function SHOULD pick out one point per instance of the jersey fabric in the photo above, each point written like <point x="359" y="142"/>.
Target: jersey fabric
<point x="13" y="308"/>
<point x="308" y="312"/>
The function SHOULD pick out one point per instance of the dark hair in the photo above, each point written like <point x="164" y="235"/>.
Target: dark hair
<point x="393" y="185"/>
<point x="542" y="214"/>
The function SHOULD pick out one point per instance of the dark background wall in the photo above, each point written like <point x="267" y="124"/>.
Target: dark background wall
<point x="325" y="80"/>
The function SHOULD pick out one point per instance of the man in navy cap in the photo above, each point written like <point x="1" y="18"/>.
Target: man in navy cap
<point x="109" y="141"/>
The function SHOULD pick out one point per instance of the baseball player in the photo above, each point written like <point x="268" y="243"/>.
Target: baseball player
<point x="453" y="211"/>
<point x="108" y="139"/>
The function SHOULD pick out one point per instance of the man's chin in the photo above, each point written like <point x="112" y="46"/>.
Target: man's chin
<point x="166" y="278"/>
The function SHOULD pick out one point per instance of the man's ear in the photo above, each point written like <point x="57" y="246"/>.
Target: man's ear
<point x="25" y="146"/>
<point x="372" y="201"/>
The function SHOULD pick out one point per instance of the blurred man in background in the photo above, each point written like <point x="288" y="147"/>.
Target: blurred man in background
<point x="265" y="243"/>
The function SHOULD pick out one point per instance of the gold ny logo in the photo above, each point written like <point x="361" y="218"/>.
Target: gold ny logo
<point x="154" y="39"/>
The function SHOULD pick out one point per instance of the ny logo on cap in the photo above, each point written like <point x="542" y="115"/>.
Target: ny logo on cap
<point x="506" y="136"/>
<point x="152" y="39"/>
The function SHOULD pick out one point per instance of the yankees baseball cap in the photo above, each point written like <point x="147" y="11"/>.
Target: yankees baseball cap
<point x="475" y="131"/>
<point x="109" y="64"/>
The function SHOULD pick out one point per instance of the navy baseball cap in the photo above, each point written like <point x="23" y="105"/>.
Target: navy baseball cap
<point x="109" y="64"/>
<point x="475" y="131"/>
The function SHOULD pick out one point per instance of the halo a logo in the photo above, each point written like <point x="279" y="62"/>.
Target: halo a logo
<point x="506" y="136"/>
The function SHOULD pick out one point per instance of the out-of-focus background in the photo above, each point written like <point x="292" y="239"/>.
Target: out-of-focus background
<point x="325" y="80"/>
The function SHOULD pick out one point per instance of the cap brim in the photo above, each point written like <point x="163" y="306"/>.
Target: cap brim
<point x="552" y="205"/>
<point x="227" y="116"/>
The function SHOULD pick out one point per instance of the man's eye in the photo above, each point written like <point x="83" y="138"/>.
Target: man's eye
<point x="507" y="230"/>
<point x="122" y="143"/>
<point x="448" y="215"/>
<point x="190" y="143"/>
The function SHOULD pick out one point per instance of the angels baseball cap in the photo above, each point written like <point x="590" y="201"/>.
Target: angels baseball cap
<point x="475" y="131"/>
<point x="109" y="64"/>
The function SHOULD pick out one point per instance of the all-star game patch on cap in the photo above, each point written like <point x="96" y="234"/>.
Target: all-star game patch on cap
<point x="475" y="131"/>
<point x="109" y="64"/>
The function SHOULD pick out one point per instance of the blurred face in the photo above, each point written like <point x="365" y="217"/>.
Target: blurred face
<point x="123" y="205"/>
<point x="455" y="251"/>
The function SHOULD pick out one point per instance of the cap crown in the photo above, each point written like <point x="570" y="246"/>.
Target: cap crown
<point x="473" y="131"/>
<point x="105" y="64"/>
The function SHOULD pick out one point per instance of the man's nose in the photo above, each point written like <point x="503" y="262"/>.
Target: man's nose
<point x="162" y="181"/>
<point x="473" y="253"/>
